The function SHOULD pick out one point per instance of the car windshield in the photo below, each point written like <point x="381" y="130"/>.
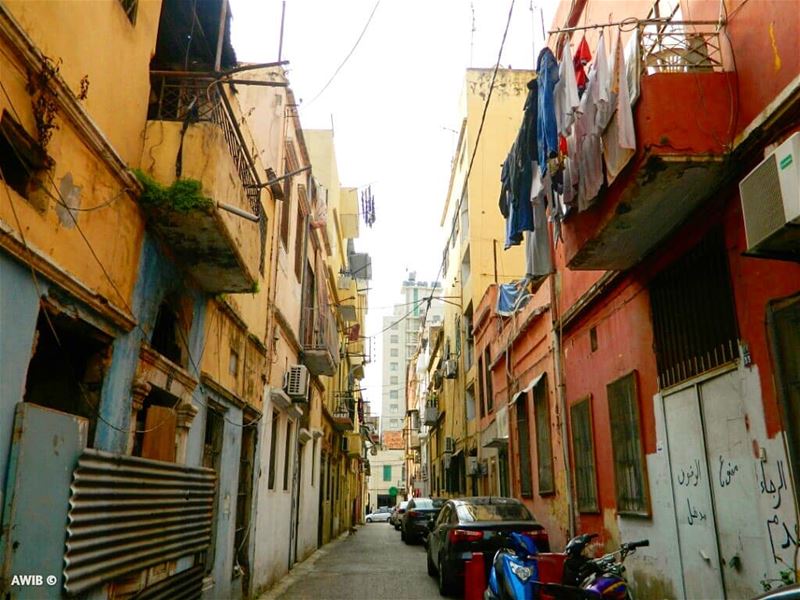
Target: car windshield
<point x="428" y="503"/>
<point x="468" y="513"/>
<point x="403" y="505"/>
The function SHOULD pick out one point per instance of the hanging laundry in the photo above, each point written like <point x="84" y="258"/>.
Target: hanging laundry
<point x="619" y="139"/>
<point x="538" y="254"/>
<point x="566" y="92"/>
<point x="588" y="147"/>
<point x="505" y="188"/>
<point x="546" y="124"/>
<point x="511" y="297"/>
<point x="603" y="90"/>
<point x="582" y="58"/>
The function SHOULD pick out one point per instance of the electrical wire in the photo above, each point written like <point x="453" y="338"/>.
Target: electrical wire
<point x="349" y="54"/>
<point x="108" y="277"/>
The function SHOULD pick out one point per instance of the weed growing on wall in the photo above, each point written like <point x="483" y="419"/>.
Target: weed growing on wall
<point x="184" y="195"/>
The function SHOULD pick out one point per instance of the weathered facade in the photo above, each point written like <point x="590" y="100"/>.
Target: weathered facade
<point x="168" y="337"/>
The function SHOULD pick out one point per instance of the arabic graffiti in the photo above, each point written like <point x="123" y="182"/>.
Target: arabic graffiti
<point x="769" y="487"/>
<point x="691" y="475"/>
<point x="789" y="537"/>
<point x="726" y="473"/>
<point x="694" y="514"/>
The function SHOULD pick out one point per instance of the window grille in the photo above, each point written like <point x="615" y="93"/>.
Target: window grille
<point x="583" y="451"/>
<point x="626" y="442"/>
<point x="694" y="322"/>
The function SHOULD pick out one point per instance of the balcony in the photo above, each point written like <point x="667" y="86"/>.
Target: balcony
<point x="413" y="440"/>
<point x="320" y="341"/>
<point x="431" y="415"/>
<point x="681" y="146"/>
<point x="344" y="412"/>
<point x="192" y="133"/>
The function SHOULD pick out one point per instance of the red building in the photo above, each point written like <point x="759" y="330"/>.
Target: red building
<point x="672" y="345"/>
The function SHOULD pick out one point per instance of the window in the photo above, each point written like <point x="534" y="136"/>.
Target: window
<point x="783" y="318"/>
<point x="469" y="355"/>
<point x="273" y="441"/>
<point x="233" y="363"/>
<point x="287" y="207"/>
<point x="694" y="323"/>
<point x="583" y="451"/>
<point x="626" y="442"/>
<point x="544" y="445"/>
<point x="300" y="236"/>
<point x="469" y="400"/>
<point x="287" y="456"/>
<point x="313" y="462"/>
<point x="393" y="352"/>
<point x="244" y="492"/>
<point x="394" y="339"/>
<point x="130" y="7"/>
<point x="166" y="338"/>
<point x="393" y="380"/>
<point x="457" y="327"/>
<point x="394" y="394"/>
<point x="393" y="366"/>
<point x="479" y="377"/>
<point x="487" y="363"/>
<point x="212" y="459"/>
<point x="20" y="158"/>
<point x="524" y="442"/>
<point x="387" y="472"/>
<point x="593" y="339"/>
<point x="394" y="408"/>
<point x="395" y="423"/>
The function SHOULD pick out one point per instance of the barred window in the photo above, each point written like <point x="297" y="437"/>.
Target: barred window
<point x="583" y="451"/>
<point x="544" y="445"/>
<point x="626" y="442"/>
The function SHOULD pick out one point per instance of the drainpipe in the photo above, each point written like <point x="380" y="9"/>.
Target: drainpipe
<point x="562" y="400"/>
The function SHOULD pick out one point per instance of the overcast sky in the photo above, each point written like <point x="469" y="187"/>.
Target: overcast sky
<point x="394" y="108"/>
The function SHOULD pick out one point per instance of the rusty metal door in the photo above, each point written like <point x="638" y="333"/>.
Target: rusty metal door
<point x="742" y="538"/>
<point x="691" y="488"/>
<point x="44" y="451"/>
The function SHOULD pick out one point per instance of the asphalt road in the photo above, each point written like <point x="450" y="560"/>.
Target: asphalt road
<point x="372" y="564"/>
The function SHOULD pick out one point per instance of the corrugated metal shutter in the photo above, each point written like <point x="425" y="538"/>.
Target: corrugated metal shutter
<point x="127" y="513"/>
<point x="186" y="585"/>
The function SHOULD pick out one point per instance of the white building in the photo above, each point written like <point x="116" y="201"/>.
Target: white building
<point x="400" y="339"/>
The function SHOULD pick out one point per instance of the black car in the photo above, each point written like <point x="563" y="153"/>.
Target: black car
<point x="414" y="523"/>
<point x="477" y="524"/>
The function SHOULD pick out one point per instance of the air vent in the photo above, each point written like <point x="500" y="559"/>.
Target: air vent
<point x="296" y="385"/>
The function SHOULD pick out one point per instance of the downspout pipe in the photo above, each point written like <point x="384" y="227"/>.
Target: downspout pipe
<point x="562" y="402"/>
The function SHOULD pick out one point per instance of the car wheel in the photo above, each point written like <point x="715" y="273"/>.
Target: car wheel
<point x="445" y="585"/>
<point x="369" y="520"/>
<point x="397" y="527"/>
<point x="431" y="566"/>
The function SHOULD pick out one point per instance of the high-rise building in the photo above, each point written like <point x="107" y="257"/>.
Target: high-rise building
<point x="400" y="338"/>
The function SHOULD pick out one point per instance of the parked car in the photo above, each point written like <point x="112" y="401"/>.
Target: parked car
<point x="380" y="515"/>
<point x="397" y="513"/>
<point x="479" y="524"/>
<point x="414" y="523"/>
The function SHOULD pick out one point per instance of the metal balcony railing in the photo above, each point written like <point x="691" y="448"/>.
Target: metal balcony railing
<point x="195" y="99"/>
<point x="667" y="46"/>
<point x="320" y="331"/>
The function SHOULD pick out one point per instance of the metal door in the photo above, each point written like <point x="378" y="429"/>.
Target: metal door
<point x="694" y="513"/>
<point x="742" y="544"/>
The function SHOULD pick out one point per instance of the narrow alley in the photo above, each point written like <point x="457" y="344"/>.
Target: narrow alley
<point x="373" y="564"/>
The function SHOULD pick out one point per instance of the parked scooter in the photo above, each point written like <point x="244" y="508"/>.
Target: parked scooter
<point x="517" y="573"/>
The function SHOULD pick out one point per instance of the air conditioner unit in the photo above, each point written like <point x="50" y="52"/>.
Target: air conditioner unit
<point x="295" y="382"/>
<point x="449" y="445"/>
<point x="771" y="203"/>
<point x="473" y="467"/>
<point x="450" y="368"/>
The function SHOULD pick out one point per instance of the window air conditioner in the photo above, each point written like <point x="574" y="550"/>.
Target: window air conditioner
<point x="473" y="467"/>
<point x="449" y="445"/>
<point x="296" y="382"/>
<point x="450" y="368"/>
<point x="770" y="196"/>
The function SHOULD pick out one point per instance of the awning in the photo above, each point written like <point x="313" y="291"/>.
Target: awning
<point x="531" y="385"/>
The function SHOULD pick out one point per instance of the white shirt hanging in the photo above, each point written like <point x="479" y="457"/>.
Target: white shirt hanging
<point x="566" y="92"/>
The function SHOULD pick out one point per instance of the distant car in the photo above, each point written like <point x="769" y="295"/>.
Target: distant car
<point x="380" y="515"/>
<point x="397" y="514"/>
<point x="477" y="524"/>
<point x="414" y="523"/>
<point x="791" y="592"/>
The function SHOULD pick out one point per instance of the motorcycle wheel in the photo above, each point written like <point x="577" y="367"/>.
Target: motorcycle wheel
<point x="431" y="566"/>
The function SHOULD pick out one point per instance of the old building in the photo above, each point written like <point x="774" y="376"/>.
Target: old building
<point x="173" y="336"/>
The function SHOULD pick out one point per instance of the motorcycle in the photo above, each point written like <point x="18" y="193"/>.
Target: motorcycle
<point x="517" y="572"/>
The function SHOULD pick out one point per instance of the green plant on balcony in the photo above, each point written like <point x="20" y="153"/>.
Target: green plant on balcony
<point x="184" y="195"/>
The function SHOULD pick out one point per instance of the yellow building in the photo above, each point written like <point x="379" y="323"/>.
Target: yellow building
<point x="473" y="258"/>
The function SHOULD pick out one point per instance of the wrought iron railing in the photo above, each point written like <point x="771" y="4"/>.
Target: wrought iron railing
<point x="667" y="46"/>
<point x="199" y="98"/>
<point x="345" y="406"/>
